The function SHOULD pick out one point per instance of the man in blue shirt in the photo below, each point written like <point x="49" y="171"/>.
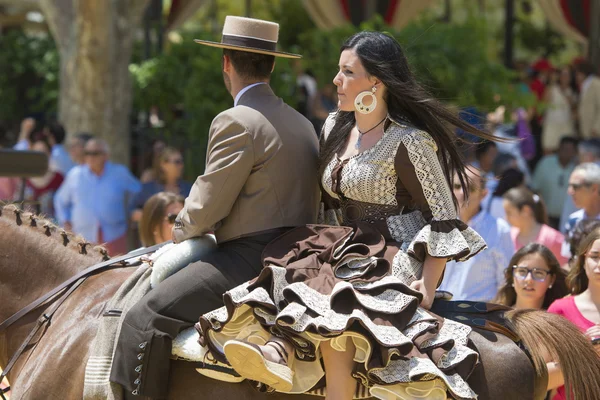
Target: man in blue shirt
<point x="480" y="277"/>
<point x="95" y="198"/>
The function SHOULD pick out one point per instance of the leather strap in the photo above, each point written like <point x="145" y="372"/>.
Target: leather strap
<point x="85" y="273"/>
<point x="44" y="319"/>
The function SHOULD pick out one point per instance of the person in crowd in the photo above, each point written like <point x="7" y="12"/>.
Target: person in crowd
<point x="306" y="89"/>
<point x="526" y="213"/>
<point x="533" y="279"/>
<point x="589" y="100"/>
<point x="76" y="145"/>
<point x="558" y="117"/>
<point x="485" y="154"/>
<point x="28" y="126"/>
<point x="158" y="217"/>
<point x="541" y="71"/>
<point x="511" y="178"/>
<point x="584" y="188"/>
<point x="168" y="171"/>
<point x="8" y="185"/>
<point x="151" y="160"/>
<point x="551" y="178"/>
<point x="325" y="103"/>
<point x="479" y="278"/>
<point x="260" y="180"/>
<point x="94" y="200"/>
<point x="60" y="157"/>
<point x="589" y="152"/>
<point x="40" y="191"/>
<point x="582" y="307"/>
<point x="577" y="234"/>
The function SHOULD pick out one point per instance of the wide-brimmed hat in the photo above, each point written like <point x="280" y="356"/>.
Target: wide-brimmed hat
<point x="251" y="35"/>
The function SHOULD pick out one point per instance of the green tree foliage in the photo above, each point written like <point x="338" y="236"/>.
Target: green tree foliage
<point x="29" y="78"/>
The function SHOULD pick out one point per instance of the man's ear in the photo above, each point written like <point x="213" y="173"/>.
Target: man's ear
<point x="227" y="64"/>
<point x="273" y="67"/>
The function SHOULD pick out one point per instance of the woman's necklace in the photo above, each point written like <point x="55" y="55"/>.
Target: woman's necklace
<point x="361" y="134"/>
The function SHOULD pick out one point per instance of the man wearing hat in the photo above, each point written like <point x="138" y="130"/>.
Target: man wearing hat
<point x="260" y="180"/>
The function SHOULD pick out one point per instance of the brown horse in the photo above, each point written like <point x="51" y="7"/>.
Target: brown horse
<point x="35" y="259"/>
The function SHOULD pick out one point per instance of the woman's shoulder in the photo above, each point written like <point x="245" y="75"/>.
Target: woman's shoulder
<point x="550" y="234"/>
<point x="409" y="135"/>
<point x="562" y="306"/>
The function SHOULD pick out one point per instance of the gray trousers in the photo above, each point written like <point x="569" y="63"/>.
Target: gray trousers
<point x="141" y="361"/>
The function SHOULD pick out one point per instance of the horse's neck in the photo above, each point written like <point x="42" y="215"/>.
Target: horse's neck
<point x="32" y="263"/>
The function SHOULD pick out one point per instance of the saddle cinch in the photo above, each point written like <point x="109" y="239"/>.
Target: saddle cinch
<point x="170" y="259"/>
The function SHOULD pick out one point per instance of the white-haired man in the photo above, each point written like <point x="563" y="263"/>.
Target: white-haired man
<point x="584" y="189"/>
<point x="93" y="200"/>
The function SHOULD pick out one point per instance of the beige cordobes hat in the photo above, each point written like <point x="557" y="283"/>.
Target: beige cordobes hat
<point x="249" y="34"/>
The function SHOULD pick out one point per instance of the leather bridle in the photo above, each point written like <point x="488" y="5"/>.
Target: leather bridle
<point x="66" y="288"/>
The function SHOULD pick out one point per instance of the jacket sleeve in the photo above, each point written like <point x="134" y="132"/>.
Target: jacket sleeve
<point x="229" y="161"/>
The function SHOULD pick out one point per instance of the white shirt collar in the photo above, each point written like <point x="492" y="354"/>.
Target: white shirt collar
<point x="244" y="90"/>
<point x="586" y="83"/>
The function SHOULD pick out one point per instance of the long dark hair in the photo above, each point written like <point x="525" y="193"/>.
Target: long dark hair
<point x="577" y="279"/>
<point x="383" y="58"/>
<point x="507" y="294"/>
<point x="521" y="197"/>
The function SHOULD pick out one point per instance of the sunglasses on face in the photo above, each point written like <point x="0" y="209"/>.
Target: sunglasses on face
<point x="538" y="274"/>
<point x="93" y="153"/>
<point x="170" y="218"/>
<point x="577" y="186"/>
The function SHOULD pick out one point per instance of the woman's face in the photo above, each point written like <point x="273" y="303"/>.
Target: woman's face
<point x="352" y="79"/>
<point x="163" y="233"/>
<point x="529" y="284"/>
<point x="173" y="166"/>
<point x="592" y="263"/>
<point x="565" y="76"/>
<point x="41" y="147"/>
<point x="513" y="214"/>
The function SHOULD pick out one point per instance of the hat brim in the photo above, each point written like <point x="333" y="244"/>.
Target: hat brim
<point x="248" y="49"/>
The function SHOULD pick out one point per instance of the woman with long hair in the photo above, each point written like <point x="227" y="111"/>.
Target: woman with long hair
<point x="168" y="169"/>
<point x="158" y="217"/>
<point x="581" y="308"/>
<point x="349" y="292"/>
<point x="533" y="279"/>
<point x="526" y="213"/>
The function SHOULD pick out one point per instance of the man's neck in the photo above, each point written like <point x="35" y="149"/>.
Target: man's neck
<point x="237" y="87"/>
<point x="593" y="210"/>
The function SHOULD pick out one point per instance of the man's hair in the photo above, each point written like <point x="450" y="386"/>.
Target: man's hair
<point x="589" y="171"/>
<point x="56" y="130"/>
<point x="586" y="68"/>
<point x="483" y="147"/>
<point x="250" y="66"/>
<point x="568" y="140"/>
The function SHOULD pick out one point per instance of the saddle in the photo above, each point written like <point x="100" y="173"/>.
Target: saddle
<point x="476" y="314"/>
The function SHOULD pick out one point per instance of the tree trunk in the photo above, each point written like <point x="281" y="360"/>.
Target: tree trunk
<point x="95" y="40"/>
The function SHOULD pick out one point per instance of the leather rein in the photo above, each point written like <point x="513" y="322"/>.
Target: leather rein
<point x="66" y="288"/>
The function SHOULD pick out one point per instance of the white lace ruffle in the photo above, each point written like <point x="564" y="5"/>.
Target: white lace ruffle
<point x="448" y="244"/>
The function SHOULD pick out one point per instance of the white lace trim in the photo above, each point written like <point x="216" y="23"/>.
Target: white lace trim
<point x="448" y="244"/>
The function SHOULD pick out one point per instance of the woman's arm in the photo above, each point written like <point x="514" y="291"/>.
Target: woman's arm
<point x="433" y="268"/>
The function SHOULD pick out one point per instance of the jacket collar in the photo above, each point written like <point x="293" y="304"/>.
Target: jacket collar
<point x="255" y="92"/>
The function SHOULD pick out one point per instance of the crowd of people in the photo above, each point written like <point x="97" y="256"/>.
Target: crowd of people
<point x="535" y="201"/>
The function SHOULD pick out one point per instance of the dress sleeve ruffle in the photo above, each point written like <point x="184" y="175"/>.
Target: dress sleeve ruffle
<point x="450" y="239"/>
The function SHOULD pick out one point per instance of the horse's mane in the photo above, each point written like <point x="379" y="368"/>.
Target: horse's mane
<point x="45" y="229"/>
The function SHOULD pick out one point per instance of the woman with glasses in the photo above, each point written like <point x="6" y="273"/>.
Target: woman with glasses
<point x="168" y="169"/>
<point x="534" y="279"/>
<point x="526" y="214"/>
<point x="582" y="307"/>
<point x="158" y="217"/>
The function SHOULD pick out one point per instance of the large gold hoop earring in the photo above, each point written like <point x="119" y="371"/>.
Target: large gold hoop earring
<point x="360" y="106"/>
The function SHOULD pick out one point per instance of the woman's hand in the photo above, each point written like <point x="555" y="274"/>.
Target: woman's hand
<point x="594" y="333"/>
<point x="428" y="293"/>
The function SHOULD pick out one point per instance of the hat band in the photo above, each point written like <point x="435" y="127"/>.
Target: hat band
<point x="249" y="42"/>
